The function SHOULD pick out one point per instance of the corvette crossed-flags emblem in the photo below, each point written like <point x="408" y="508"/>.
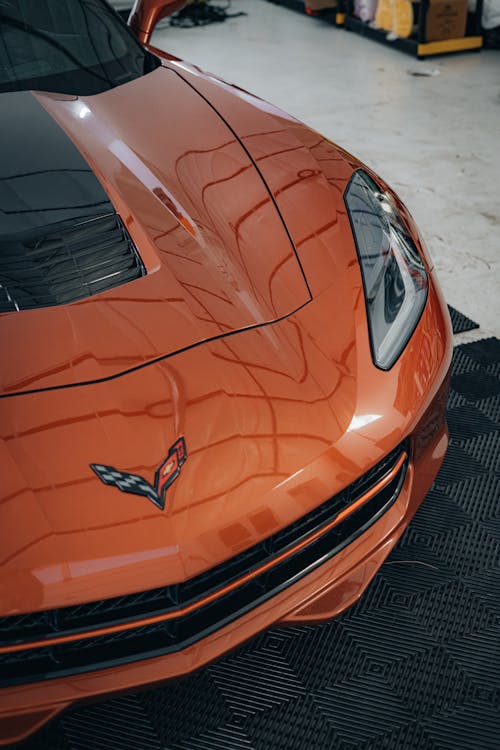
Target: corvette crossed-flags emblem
<point x="165" y="475"/>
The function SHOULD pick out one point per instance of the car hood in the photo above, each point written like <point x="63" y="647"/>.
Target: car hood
<point x="270" y="416"/>
<point x="217" y="254"/>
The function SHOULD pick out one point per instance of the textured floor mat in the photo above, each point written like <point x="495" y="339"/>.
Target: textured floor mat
<point x="415" y="664"/>
<point x="461" y="322"/>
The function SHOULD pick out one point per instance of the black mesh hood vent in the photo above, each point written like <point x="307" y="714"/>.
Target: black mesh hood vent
<point x="68" y="264"/>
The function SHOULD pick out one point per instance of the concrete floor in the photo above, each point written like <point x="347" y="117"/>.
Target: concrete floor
<point x="436" y="140"/>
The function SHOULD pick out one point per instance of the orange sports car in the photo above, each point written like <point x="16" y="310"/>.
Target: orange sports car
<point x="224" y="364"/>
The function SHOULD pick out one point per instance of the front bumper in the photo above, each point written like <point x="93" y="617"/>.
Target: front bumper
<point x="320" y="595"/>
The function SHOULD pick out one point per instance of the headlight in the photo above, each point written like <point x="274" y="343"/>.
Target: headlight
<point x="394" y="277"/>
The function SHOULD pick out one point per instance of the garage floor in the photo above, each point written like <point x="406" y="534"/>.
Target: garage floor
<point x="436" y="140"/>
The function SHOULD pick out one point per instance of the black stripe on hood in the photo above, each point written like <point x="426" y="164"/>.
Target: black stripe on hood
<point x="44" y="179"/>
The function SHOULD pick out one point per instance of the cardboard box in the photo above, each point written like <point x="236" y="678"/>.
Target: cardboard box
<point x="320" y="4"/>
<point x="446" y="19"/>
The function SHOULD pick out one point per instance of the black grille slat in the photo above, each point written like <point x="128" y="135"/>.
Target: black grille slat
<point x="67" y="265"/>
<point x="143" y="641"/>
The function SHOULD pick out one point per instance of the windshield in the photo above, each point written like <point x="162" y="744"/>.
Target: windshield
<point x="78" y="47"/>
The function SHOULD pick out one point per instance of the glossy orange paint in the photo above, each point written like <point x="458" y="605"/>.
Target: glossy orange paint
<point x="236" y="269"/>
<point x="268" y="377"/>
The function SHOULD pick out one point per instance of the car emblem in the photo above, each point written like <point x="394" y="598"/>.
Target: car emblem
<point x="165" y="475"/>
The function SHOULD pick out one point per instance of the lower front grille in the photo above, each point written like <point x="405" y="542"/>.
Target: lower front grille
<point x="187" y="612"/>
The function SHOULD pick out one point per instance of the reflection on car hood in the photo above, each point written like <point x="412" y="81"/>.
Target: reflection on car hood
<point x="258" y="412"/>
<point x="217" y="254"/>
<point x="270" y="417"/>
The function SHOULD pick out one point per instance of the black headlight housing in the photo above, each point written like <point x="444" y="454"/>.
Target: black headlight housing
<point x="394" y="277"/>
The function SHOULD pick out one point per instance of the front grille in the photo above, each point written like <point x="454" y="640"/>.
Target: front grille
<point x="66" y="265"/>
<point x="183" y="629"/>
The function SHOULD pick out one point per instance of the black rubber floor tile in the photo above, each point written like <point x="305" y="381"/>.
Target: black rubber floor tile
<point x="254" y="682"/>
<point x="470" y="550"/>
<point x="484" y="352"/>
<point x="479" y="656"/>
<point x="492" y="525"/>
<point x="490" y="407"/>
<point x="295" y="725"/>
<point x="463" y="362"/>
<point x="228" y="737"/>
<point x="487" y="585"/>
<point x="409" y="577"/>
<point x="458" y="465"/>
<point x="168" y="707"/>
<point x="383" y="593"/>
<point x="410" y="735"/>
<point x="117" y="725"/>
<point x="439" y="514"/>
<point x="493" y="369"/>
<point x="468" y="421"/>
<point x="382" y="637"/>
<point x="359" y="721"/>
<point x="470" y="727"/>
<point x="466" y="612"/>
<point x="420" y="567"/>
<point x="485" y="448"/>
<point x="431" y="683"/>
<point x="476" y="385"/>
<point x="478" y="496"/>
<point x="461" y="322"/>
<point x="455" y="400"/>
<point x="329" y="654"/>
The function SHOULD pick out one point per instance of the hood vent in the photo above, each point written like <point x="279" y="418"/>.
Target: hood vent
<point x="68" y="264"/>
